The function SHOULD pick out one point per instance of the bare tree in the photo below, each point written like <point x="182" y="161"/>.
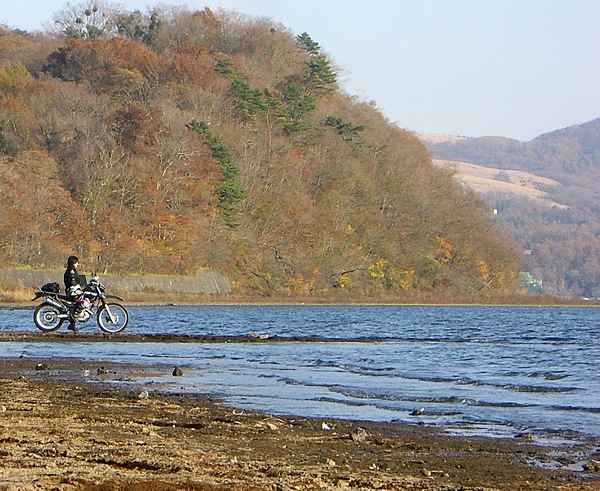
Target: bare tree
<point x="92" y="19"/>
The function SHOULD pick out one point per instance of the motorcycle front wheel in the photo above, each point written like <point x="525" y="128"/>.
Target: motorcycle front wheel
<point x="113" y="317"/>
<point x="47" y="317"/>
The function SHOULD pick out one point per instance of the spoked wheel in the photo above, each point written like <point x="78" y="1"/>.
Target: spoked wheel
<point x="113" y="317"/>
<point x="47" y="317"/>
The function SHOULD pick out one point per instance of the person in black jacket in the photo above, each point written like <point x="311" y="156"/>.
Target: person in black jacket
<point x="72" y="287"/>
<point x="71" y="276"/>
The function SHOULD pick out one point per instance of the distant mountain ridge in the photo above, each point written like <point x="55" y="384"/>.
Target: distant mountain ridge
<point x="546" y="191"/>
<point x="570" y="155"/>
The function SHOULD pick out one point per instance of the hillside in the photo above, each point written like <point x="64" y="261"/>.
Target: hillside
<point x="486" y="180"/>
<point x="546" y="192"/>
<point x="170" y="142"/>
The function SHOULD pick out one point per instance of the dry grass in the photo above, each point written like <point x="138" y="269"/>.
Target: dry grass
<point x="14" y="292"/>
<point x="484" y="180"/>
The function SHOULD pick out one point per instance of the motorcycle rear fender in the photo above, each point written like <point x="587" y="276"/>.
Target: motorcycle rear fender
<point x="39" y="294"/>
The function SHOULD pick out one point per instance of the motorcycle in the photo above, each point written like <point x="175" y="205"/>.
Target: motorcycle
<point x="112" y="317"/>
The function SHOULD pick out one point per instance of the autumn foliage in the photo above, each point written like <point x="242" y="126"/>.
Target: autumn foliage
<point x="168" y="142"/>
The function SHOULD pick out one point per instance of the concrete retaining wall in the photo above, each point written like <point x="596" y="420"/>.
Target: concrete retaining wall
<point x="206" y="281"/>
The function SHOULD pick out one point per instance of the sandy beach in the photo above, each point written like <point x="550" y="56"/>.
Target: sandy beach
<point x="72" y="425"/>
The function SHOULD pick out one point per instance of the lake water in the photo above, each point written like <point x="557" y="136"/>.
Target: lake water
<point x="496" y="371"/>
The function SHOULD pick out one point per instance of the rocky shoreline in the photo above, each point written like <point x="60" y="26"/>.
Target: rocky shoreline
<point x="72" y="425"/>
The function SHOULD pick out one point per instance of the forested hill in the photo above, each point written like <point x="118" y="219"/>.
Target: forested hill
<point x="168" y="142"/>
<point x="561" y="232"/>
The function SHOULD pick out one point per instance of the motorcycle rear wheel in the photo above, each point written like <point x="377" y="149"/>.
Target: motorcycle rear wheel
<point x="46" y="317"/>
<point x="113" y="317"/>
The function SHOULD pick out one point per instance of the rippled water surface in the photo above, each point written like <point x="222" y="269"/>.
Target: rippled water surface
<point x="495" y="370"/>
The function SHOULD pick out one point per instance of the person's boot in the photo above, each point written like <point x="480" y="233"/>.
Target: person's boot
<point x="72" y="316"/>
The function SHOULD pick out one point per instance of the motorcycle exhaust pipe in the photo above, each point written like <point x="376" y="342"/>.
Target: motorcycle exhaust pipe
<point x="56" y="304"/>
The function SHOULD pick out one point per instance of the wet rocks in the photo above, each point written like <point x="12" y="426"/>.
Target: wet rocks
<point x="256" y="335"/>
<point x="592" y="466"/>
<point x="329" y="462"/>
<point x="524" y="436"/>
<point x="177" y="372"/>
<point x="433" y="474"/>
<point x="359" y="435"/>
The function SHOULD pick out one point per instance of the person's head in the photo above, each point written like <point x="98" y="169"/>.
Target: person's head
<point x="72" y="262"/>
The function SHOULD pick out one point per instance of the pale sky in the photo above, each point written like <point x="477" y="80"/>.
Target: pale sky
<point x="513" y="68"/>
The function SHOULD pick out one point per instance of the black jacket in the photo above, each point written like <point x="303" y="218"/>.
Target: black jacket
<point x="71" y="278"/>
